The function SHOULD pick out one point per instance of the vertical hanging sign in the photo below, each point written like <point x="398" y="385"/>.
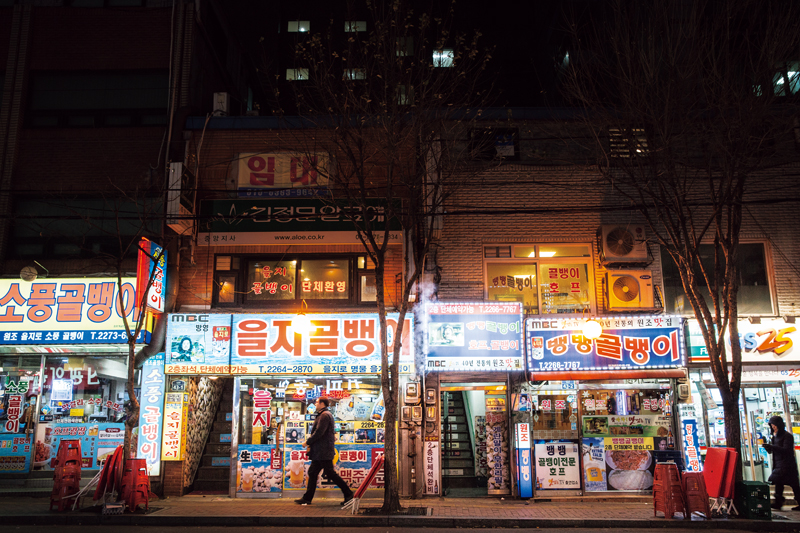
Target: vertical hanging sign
<point x="151" y="414"/>
<point x="523" y="444"/>
<point x="174" y="435"/>
<point x="690" y="450"/>
<point x="431" y="465"/>
<point x="155" y="294"/>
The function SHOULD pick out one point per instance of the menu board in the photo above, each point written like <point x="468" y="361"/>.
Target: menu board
<point x="557" y="465"/>
<point x="259" y="469"/>
<point x="15" y="453"/>
<point x="620" y="463"/>
<point x="98" y="442"/>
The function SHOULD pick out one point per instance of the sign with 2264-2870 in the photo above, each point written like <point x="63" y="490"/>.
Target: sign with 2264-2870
<point x="626" y="343"/>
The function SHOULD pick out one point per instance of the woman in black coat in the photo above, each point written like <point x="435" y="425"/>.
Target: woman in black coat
<point x="784" y="463"/>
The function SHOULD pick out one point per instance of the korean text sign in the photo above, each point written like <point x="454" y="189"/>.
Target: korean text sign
<point x="340" y="344"/>
<point x="691" y="449"/>
<point x="557" y="465"/>
<point x="175" y="422"/>
<point x="474" y="336"/>
<point x="626" y="343"/>
<point x="156" y="293"/>
<point x="198" y="344"/>
<point x="522" y="434"/>
<point x="151" y="415"/>
<point x="15" y="454"/>
<point x="67" y="311"/>
<point x="281" y="174"/>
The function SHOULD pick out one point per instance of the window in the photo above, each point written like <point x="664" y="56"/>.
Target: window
<point x="755" y="295"/>
<point x="786" y="81"/>
<point x="627" y="142"/>
<point x="405" y="95"/>
<point x="405" y="46"/>
<point x="298" y="26"/>
<point x="94" y="99"/>
<point x="355" y="74"/>
<point x="443" y="57"/>
<point x="494" y="143"/>
<point x="547" y="279"/>
<point x="296" y="74"/>
<point x="355" y="25"/>
<point x="285" y="281"/>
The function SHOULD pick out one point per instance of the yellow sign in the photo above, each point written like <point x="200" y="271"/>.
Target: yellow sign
<point x="176" y="410"/>
<point x="628" y="443"/>
<point x="370" y="425"/>
<point x="76" y="412"/>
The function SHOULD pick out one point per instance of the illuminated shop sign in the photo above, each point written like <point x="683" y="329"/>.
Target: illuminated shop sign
<point x="771" y="341"/>
<point x="67" y="311"/>
<point x="626" y="343"/>
<point x="474" y="337"/>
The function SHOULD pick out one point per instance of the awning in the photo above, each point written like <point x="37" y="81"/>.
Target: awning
<point x="594" y="375"/>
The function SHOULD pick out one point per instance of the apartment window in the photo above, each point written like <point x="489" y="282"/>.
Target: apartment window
<point x="355" y="25"/>
<point x="443" y="57"/>
<point x="298" y="26"/>
<point x="355" y="74"/>
<point x="627" y="142"/>
<point x="546" y="278"/>
<point x="755" y="293"/>
<point x="494" y="143"/>
<point x="255" y="280"/>
<point x="405" y="95"/>
<point x="93" y="99"/>
<point x="296" y="74"/>
<point x="787" y="80"/>
<point x="405" y="46"/>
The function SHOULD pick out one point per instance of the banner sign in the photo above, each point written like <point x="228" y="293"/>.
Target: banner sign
<point x="626" y="343"/>
<point x="497" y="452"/>
<point x="282" y="174"/>
<point x="691" y="450"/>
<point x="157" y="292"/>
<point x="617" y="425"/>
<point x="198" y="344"/>
<point x="67" y="311"/>
<point x="522" y="433"/>
<point x="351" y="462"/>
<point x="259" y="469"/>
<point x="98" y="442"/>
<point x="151" y="416"/>
<point x="338" y="344"/>
<point x="176" y="410"/>
<point x="15" y="454"/>
<point x="289" y="221"/>
<point x="619" y="463"/>
<point x="771" y="341"/>
<point x="474" y="337"/>
<point x="557" y="465"/>
<point x="432" y="455"/>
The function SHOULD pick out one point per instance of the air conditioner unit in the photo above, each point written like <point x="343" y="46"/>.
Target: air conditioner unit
<point x="222" y="104"/>
<point x="622" y="244"/>
<point x="629" y="290"/>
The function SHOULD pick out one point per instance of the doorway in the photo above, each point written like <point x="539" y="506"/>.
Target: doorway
<point x="475" y="447"/>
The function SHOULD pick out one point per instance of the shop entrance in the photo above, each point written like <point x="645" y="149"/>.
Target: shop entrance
<point x="475" y="446"/>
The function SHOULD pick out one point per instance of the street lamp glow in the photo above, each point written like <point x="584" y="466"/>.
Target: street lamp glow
<point x="592" y="329"/>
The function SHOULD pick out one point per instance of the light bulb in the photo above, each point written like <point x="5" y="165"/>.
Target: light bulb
<point x="592" y="329"/>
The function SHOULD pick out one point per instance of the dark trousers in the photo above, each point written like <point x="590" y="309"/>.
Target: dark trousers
<point x="330" y="473"/>
<point x="779" y="499"/>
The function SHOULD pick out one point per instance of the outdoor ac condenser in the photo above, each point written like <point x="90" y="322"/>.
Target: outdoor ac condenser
<point x="629" y="289"/>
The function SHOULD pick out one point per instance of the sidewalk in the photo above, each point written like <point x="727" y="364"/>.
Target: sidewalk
<point x="213" y="510"/>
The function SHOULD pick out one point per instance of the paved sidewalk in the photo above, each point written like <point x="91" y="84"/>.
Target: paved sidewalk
<point x="214" y="510"/>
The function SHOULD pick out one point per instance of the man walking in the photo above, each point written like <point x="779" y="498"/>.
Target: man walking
<point x="784" y="464"/>
<point x="321" y="452"/>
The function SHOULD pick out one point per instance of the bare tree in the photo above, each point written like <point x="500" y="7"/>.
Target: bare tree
<point x="389" y="104"/>
<point x="687" y="103"/>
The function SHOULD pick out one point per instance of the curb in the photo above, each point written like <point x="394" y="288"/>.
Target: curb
<point x="779" y="526"/>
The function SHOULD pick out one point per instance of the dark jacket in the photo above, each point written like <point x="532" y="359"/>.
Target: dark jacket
<point x="784" y="467"/>
<point x="320" y="442"/>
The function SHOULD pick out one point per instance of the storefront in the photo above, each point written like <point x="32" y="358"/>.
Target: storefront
<point x="600" y="410"/>
<point x="473" y="360"/>
<point x="277" y="372"/>
<point x="770" y="387"/>
<point x="63" y="369"/>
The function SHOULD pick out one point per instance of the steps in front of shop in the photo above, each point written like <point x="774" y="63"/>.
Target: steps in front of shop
<point x="458" y="463"/>
<point x="38" y="484"/>
<point x="213" y="474"/>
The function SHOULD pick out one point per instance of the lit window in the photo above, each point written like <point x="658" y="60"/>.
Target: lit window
<point x="298" y="26"/>
<point x="540" y="277"/>
<point x="443" y="58"/>
<point x="355" y="25"/>
<point x="296" y="74"/>
<point x="355" y="74"/>
<point x="627" y="142"/>
<point x="787" y="81"/>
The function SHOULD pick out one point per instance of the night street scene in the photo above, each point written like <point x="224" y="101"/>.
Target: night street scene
<point x="385" y="265"/>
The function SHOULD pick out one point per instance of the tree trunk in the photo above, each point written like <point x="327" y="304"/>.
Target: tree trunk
<point x="133" y="415"/>
<point x="733" y="427"/>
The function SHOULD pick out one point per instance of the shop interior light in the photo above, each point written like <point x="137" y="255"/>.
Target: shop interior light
<point x="592" y="329"/>
<point x="301" y="323"/>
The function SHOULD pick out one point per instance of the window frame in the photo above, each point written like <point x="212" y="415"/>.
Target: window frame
<point x="621" y="142"/>
<point x="298" y="74"/>
<point x="298" y="28"/>
<point x="769" y="272"/>
<point x="239" y="268"/>
<point x="538" y="261"/>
